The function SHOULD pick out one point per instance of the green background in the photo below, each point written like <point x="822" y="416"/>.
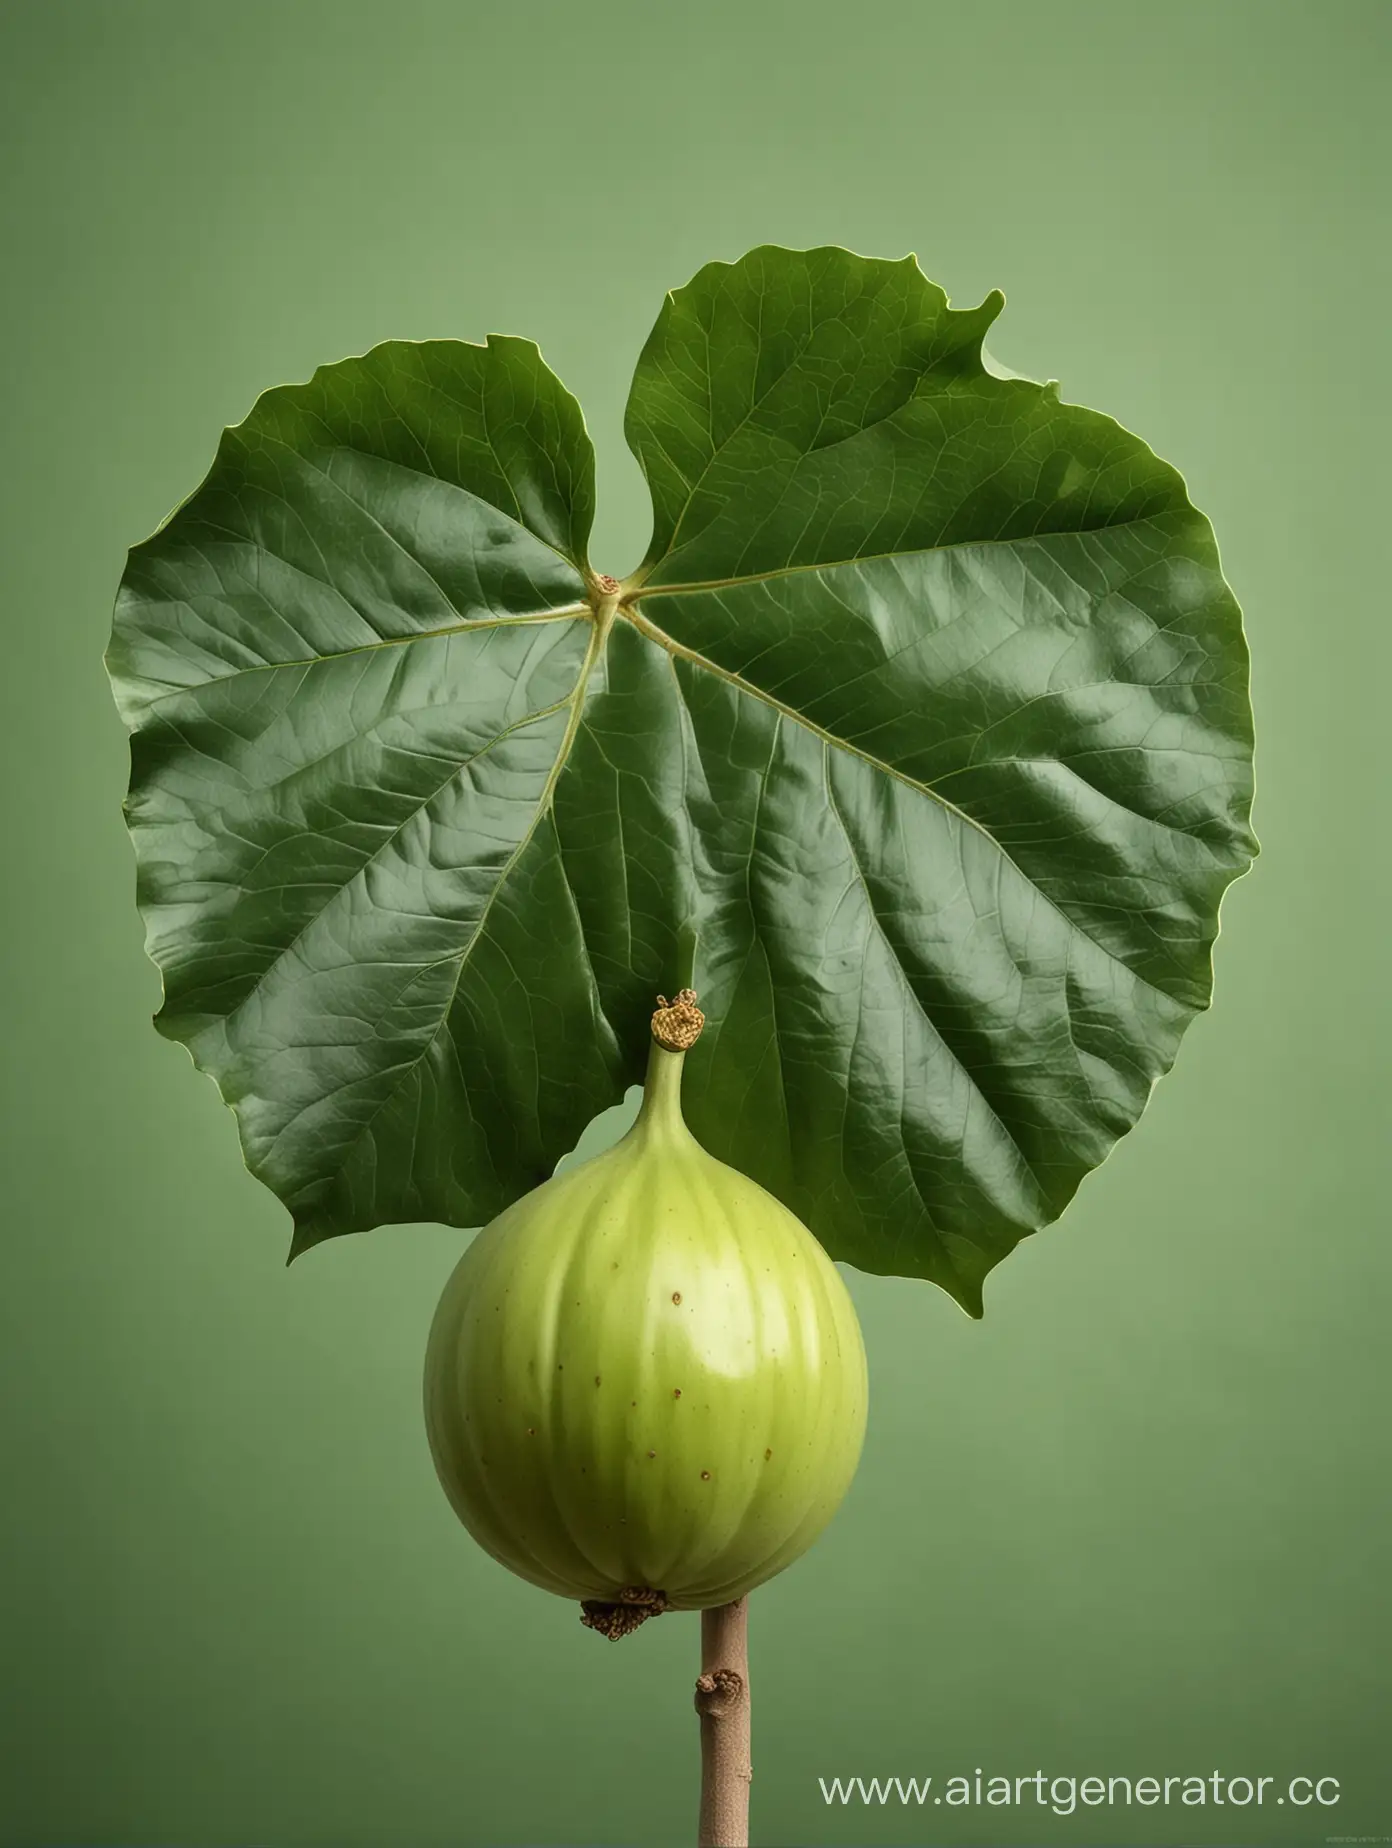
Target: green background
<point x="1137" y="1520"/>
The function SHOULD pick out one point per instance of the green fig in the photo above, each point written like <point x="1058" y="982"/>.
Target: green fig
<point x="645" y="1385"/>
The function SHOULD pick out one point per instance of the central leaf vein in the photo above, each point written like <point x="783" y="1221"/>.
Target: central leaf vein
<point x="680" y="650"/>
<point x="576" y="701"/>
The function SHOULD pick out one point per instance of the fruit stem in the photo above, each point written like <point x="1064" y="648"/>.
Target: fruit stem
<point x="722" y="1700"/>
<point x="676" y="1027"/>
<point x="661" y="1108"/>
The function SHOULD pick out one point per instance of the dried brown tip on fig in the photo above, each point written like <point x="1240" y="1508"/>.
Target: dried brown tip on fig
<point x="635" y="1604"/>
<point x="677" y="1024"/>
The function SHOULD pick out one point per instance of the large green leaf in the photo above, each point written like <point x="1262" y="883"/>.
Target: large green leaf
<point x="919" y="743"/>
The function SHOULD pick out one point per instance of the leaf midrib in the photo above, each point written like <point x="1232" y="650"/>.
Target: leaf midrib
<point x="680" y="650"/>
<point x="636" y="590"/>
<point x="469" y="626"/>
<point x="576" y="701"/>
<point x="417" y="808"/>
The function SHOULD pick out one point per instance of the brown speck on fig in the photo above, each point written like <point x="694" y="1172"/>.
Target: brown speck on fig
<point x="676" y="1392"/>
<point x="531" y="1430"/>
<point x="596" y="1379"/>
<point x="767" y="1455"/>
<point x="676" y="1296"/>
<point x="705" y="1475"/>
<point x="652" y="1453"/>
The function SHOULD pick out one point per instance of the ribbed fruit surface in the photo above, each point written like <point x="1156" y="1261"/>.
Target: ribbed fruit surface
<point x="646" y="1374"/>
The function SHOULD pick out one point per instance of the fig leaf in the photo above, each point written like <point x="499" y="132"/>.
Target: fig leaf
<point x="919" y="744"/>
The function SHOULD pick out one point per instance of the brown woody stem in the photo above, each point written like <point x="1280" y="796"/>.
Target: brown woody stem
<point x="722" y="1700"/>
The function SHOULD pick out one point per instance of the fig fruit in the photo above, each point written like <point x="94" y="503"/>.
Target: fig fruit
<point x="645" y="1384"/>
